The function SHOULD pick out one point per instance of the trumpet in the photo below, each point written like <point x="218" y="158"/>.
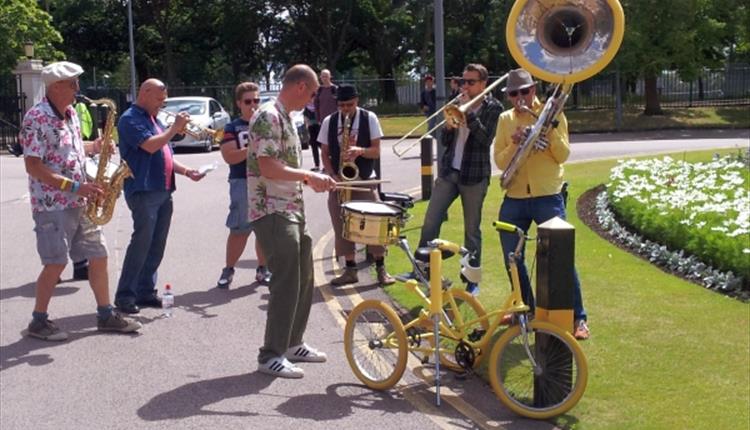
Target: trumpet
<point x="198" y="131"/>
<point x="454" y="114"/>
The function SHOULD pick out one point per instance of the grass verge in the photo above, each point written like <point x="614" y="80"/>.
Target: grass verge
<point x="664" y="353"/>
<point x="604" y="120"/>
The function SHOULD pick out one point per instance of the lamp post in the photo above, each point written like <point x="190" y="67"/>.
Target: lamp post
<point x="132" y="51"/>
<point x="28" y="49"/>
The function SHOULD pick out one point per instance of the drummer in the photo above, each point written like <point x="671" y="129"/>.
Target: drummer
<point x="364" y="151"/>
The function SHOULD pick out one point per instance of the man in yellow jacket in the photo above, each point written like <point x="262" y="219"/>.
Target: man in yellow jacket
<point x="536" y="193"/>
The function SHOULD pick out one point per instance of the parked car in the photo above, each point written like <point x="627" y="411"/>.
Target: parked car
<point x="205" y="113"/>
<point x="297" y="118"/>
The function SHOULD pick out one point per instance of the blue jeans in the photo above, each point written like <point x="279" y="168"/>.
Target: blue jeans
<point x="152" y="216"/>
<point x="522" y="212"/>
<point x="444" y="192"/>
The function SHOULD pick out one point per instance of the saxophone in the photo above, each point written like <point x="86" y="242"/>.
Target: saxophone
<point x="100" y="210"/>
<point x="348" y="171"/>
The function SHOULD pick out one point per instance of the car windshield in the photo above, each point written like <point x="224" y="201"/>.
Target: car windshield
<point x="190" y="106"/>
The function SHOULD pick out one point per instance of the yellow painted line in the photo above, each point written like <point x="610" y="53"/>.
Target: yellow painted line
<point x="426" y="170"/>
<point x="413" y="364"/>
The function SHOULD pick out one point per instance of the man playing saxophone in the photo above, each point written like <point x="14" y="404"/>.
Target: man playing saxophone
<point x="536" y="192"/>
<point x="54" y="155"/>
<point x="144" y="144"/>
<point x="350" y="145"/>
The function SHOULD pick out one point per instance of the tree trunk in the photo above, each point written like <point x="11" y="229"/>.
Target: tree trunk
<point x="653" y="107"/>
<point x="388" y="87"/>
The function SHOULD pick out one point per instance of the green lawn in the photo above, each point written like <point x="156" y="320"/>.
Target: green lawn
<point x="604" y="120"/>
<point x="664" y="353"/>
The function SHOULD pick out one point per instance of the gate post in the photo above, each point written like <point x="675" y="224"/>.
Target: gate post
<point x="29" y="74"/>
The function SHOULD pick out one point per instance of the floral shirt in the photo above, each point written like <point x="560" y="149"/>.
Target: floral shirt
<point x="273" y="135"/>
<point x="58" y="143"/>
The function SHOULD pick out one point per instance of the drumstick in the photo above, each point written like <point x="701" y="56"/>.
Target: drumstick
<point x="344" y="187"/>
<point x="365" y="182"/>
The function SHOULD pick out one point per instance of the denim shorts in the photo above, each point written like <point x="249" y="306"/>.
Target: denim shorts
<point x="237" y="220"/>
<point x="68" y="231"/>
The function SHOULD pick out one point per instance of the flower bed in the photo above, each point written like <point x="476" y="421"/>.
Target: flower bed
<point x="698" y="209"/>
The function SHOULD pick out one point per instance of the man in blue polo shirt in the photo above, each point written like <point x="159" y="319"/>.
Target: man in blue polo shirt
<point x="144" y="144"/>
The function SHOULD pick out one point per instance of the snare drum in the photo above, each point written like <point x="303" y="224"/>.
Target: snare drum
<point x="371" y="223"/>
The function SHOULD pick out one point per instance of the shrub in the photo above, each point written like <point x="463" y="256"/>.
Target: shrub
<point x="701" y="208"/>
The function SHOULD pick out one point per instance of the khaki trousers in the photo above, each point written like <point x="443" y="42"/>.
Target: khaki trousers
<point x="288" y="249"/>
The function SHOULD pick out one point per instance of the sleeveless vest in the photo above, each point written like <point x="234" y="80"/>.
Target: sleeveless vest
<point x="363" y="140"/>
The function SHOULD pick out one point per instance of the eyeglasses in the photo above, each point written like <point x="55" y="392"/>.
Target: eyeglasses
<point x="523" y="91"/>
<point x="248" y="102"/>
<point x="468" y="82"/>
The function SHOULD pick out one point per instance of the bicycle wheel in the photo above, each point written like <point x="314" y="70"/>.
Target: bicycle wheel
<point x="561" y="375"/>
<point x="470" y="309"/>
<point x="375" y="343"/>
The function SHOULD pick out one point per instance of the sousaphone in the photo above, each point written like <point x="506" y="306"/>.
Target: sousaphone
<point x="562" y="42"/>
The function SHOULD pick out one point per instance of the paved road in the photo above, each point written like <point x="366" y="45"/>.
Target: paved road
<point x="197" y="370"/>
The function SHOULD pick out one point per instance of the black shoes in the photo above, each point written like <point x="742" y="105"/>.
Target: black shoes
<point x="127" y="308"/>
<point x="151" y="302"/>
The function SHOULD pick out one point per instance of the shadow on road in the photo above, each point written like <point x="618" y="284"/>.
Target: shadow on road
<point x="193" y="398"/>
<point x="21" y="352"/>
<point x="340" y="400"/>
<point x="27" y="291"/>
<point x="200" y="302"/>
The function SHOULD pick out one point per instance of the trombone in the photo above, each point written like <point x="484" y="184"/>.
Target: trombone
<point x="455" y="115"/>
<point x="400" y="154"/>
<point x="198" y="131"/>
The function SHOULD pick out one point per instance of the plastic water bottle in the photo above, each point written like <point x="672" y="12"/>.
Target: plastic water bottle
<point x="167" y="301"/>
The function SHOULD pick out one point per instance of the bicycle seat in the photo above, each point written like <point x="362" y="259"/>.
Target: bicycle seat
<point x="423" y="254"/>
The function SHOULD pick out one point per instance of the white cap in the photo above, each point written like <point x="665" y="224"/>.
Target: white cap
<point x="59" y="71"/>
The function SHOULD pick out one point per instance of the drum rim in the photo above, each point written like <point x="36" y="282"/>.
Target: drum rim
<point x="396" y="208"/>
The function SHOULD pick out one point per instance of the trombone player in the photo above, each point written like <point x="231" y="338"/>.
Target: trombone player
<point x="464" y="167"/>
<point x="537" y="193"/>
<point x="363" y="141"/>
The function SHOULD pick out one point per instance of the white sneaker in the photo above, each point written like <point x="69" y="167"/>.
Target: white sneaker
<point x="305" y="353"/>
<point x="281" y="367"/>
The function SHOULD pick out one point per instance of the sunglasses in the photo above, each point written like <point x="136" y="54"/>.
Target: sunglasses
<point x="248" y="102"/>
<point x="468" y="82"/>
<point x="523" y="91"/>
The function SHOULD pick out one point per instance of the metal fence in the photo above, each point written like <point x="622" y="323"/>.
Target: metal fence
<point x="12" y="107"/>
<point x="723" y="87"/>
<point x="729" y="86"/>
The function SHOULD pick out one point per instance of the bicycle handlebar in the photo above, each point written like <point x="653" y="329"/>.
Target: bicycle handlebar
<point x="505" y="226"/>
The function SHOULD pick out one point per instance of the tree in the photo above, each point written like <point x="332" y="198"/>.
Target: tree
<point x="94" y="32"/>
<point x="21" y="21"/>
<point x="682" y="35"/>
<point x="324" y="24"/>
<point x="383" y="32"/>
